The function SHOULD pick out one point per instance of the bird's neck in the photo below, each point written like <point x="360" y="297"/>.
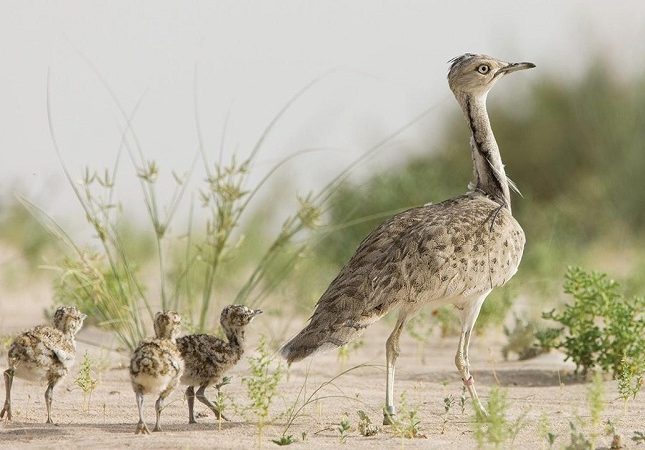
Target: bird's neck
<point x="488" y="169"/>
<point x="235" y="337"/>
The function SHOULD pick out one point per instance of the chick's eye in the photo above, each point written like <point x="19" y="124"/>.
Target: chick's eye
<point x="483" y="69"/>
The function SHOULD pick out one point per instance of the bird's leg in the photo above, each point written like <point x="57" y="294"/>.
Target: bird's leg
<point x="469" y="316"/>
<point x="8" y="381"/>
<point x="158" y="408"/>
<point x="190" y="396"/>
<point x="392" y="351"/>
<point x="201" y="396"/>
<point x="141" y="426"/>
<point x="49" y="394"/>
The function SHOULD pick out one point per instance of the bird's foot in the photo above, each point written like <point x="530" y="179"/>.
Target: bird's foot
<point x="142" y="428"/>
<point x="192" y="420"/>
<point x="220" y="416"/>
<point x="156" y="428"/>
<point x="389" y="416"/>
<point x="6" y="410"/>
<point x="49" y="420"/>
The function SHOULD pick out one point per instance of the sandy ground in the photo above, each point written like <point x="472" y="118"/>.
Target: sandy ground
<point x="536" y="387"/>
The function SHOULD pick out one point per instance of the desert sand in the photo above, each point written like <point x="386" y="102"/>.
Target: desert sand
<point x="535" y="387"/>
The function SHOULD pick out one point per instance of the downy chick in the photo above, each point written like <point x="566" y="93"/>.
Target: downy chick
<point x="207" y="358"/>
<point x="44" y="354"/>
<point x="156" y="365"/>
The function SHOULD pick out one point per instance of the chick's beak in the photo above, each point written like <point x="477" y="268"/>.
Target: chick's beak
<point x="514" y="67"/>
<point x="257" y="311"/>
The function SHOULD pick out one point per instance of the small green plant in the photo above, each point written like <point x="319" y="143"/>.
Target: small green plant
<point x="347" y="349"/>
<point x="407" y="424"/>
<point x="284" y="440"/>
<point x="86" y="380"/>
<point x="5" y="342"/>
<point x="496" y="428"/>
<point x="544" y="428"/>
<point x="365" y="426"/>
<point x="616" y="438"/>
<point x="601" y="328"/>
<point x="630" y="383"/>
<point x="521" y="340"/>
<point x="639" y="437"/>
<point x="343" y="429"/>
<point x="595" y="396"/>
<point x="463" y="398"/>
<point x="420" y="329"/>
<point x="578" y="439"/>
<point x="221" y="401"/>
<point x="447" y="404"/>
<point x="304" y="400"/>
<point x="262" y="384"/>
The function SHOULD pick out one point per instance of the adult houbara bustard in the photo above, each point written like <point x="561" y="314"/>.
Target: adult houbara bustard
<point x="454" y="252"/>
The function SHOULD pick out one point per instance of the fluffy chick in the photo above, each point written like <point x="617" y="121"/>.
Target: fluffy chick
<point x="44" y="354"/>
<point x="156" y="365"/>
<point x="207" y="357"/>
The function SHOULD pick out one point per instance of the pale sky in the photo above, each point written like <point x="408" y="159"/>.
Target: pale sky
<point x="250" y="57"/>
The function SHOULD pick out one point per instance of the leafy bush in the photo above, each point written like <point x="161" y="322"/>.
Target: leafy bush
<point x="602" y="328"/>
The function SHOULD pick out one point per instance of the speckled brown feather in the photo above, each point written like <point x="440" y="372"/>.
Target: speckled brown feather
<point x="207" y="357"/>
<point x="156" y="364"/>
<point x="46" y="353"/>
<point x="423" y="255"/>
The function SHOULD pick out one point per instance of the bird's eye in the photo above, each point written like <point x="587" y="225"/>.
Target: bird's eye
<point x="483" y="69"/>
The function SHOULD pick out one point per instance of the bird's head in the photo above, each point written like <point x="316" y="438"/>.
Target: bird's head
<point x="167" y="325"/>
<point x="475" y="75"/>
<point x="68" y="319"/>
<point x="237" y="316"/>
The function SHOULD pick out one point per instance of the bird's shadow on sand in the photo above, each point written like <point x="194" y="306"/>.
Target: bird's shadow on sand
<point x="30" y="431"/>
<point x="35" y="431"/>
<point x="121" y="428"/>
<point x="508" y="377"/>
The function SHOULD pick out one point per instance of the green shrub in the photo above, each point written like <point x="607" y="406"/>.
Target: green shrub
<point x="601" y="328"/>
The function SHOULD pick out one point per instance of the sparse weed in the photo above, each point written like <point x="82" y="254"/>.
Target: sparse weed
<point x="407" y="424"/>
<point x="616" y="438"/>
<point x="544" y="428"/>
<point x="284" y="440"/>
<point x="521" y="340"/>
<point x="303" y="400"/>
<point x="496" y="428"/>
<point x="221" y="400"/>
<point x="365" y="426"/>
<point x="595" y="397"/>
<point x="639" y="437"/>
<point x="420" y="329"/>
<point x="86" y="380"/>
<point x="578" y="440"/>
<point x="630" y="382"/>
<point x="448" y="402"/>
<point x="463" y="398"/>
<point x="343" y="429"/>
<point x="188" y="263"/>
<point x="5" y="342"/>
<point x="262" y="384"/>
<point x="346" y="350"/>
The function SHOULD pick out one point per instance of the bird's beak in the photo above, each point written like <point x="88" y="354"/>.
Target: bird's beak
<point x="257" y="311"/>
<point x="514" y="67"/>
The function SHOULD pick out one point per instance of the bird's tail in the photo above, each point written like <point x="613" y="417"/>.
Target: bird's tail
<point x="322" y="334"/>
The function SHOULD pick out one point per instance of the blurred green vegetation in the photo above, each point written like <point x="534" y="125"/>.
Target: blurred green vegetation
<point x="576" y="149"/>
